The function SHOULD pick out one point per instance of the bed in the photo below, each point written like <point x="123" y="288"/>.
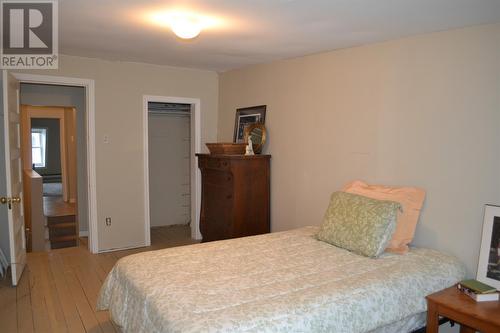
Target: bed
<point x="279" y="282"/>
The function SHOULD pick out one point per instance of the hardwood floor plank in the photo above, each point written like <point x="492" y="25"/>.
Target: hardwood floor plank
<point x="59" y="289"/>
<point x="8" y="306"/>
<point x="91" y="286"/>
<point x="106" y="261"/>
<point x="124" y="253"/>
<point x="85" y="270"/>
<point x="39" y="308"/>
<point x="52" y="301"/>
<point x="92" y="263"/>
<point x="87" y="314"/>
<point x="25" y="322"/>
<point x="55" y="206"/>
<point x="71" y="315"/>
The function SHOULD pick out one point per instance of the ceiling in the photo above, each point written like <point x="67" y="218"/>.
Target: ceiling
<point x="254" y="31"/>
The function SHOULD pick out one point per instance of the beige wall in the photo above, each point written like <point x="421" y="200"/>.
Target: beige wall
<point x="119" y="90"/>
<point x="421" y="111"/>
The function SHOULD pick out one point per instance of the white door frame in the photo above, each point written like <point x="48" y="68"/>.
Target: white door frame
<point x="88" y="84"/>
<point x="195" y="173"/>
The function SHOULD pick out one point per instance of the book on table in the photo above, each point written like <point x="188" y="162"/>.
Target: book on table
<point x="480" y="297"/>
<point x="476" y="286"/>
<point x="478" y="291"/>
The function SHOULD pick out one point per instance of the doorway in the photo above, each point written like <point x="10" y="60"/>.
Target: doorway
<point x="14" y="246"/>
<point x="172" y="179"/>
<point x="169" y="165"/>
<point x="58" y="90"/>
<point x="49" y="148"/>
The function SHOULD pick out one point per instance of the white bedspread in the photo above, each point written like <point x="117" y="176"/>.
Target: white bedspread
<point x="279" y="282"/>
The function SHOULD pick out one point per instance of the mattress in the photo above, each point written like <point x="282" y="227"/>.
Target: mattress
<point x="408" y="324"/>
<point x="278" y="282"/>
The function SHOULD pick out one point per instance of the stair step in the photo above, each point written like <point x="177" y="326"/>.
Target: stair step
<point x="62" y="225"/>
<point x="60" y="219"/>
<point x="62" y="231"/>
<point x="62" y="238"/>
<point x="60" y="245"/>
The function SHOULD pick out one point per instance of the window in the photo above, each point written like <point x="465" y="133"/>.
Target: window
<point x="38" y="144"/>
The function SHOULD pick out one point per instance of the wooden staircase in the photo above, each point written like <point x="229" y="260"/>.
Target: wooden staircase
<point x="61" y="222"/>
<point x="62" y="231"/>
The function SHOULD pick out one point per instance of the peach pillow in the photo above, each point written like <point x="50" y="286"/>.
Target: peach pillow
<point x="411" y="198"/>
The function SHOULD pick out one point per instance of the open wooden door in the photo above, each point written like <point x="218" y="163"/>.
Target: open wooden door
<point x="13" y="199"/>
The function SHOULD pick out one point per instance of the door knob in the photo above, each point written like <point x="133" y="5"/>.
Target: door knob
<point x="6" y="200"/>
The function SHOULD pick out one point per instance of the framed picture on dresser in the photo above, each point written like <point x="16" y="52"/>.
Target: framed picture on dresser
<point x="488" y="270"/>
<point x="245" y="117"/>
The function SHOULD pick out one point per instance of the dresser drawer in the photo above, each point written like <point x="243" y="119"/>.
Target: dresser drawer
<point x="217" y="177"/>
<point x="214" y="163"/>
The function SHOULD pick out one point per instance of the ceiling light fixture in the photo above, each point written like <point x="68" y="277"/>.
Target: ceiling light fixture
<point x="185" y="27"/>
<point x="184" y="24"/>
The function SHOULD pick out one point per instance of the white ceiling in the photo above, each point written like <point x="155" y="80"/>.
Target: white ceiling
<point x="254" y="31"/>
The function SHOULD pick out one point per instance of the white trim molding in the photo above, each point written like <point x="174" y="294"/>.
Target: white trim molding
<point x="195" y="172"/>
<point x="89" y="85"/>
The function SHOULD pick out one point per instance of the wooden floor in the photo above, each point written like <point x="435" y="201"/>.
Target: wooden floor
<point x="55" y="206"/>
<point x="58" y="289"/>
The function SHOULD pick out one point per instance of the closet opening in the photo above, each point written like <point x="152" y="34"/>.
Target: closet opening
<point x="170" y="166"/>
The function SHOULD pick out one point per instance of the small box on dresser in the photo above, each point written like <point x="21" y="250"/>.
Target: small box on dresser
<point x="235" y="195"/>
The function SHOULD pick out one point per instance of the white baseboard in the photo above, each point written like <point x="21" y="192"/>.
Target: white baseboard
<point x="122" y="248"/>
<point x="84" y="233"/>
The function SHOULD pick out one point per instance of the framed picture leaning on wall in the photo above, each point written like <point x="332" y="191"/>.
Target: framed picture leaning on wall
<point x="245" y="117"/>
<point x="488" y="270"/>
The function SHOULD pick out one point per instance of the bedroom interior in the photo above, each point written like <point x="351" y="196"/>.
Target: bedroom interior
<point x="371" y="195"/>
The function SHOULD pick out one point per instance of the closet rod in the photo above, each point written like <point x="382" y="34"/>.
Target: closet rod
<point x="169" y="113"/>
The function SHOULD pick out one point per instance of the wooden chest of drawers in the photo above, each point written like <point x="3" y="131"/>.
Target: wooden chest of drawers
<point x="235" y="199"/>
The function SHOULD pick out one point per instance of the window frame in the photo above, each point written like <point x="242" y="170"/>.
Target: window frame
<point x="43" y="146"/>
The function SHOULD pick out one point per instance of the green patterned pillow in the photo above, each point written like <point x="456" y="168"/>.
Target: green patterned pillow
<point x="359" y="224"/>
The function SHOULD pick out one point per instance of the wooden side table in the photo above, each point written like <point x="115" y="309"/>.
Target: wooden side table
<point x="460" y="308"/>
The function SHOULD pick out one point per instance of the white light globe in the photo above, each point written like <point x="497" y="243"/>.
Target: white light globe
<point x="185" y="27"/>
